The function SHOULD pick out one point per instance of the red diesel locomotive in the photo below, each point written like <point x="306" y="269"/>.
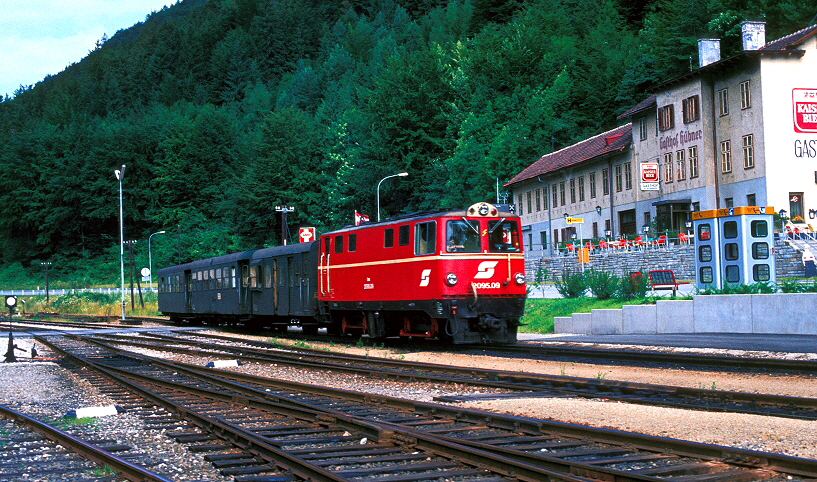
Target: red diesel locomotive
<point x="453" y="275"/>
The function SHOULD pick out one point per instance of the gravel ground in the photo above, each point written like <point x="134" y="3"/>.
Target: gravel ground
<point x="50" y="390"/>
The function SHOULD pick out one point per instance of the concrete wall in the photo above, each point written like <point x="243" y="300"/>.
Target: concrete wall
<point x="763" y="313"/>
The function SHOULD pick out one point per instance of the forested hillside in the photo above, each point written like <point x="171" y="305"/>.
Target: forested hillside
<point x="222" y="109"/>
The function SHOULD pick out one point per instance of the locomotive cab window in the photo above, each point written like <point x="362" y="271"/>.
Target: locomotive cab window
<point x="404" y="235"/>
<point x="352" y="242"/>
<point x="388" y="238"/>
<point x="462" y="236"/>
<point x="425" y="238"/>
<point x="338" y="244"/>
<point x="503" y="236"/>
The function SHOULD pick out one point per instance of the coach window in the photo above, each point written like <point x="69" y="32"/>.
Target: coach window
<point x="338" y="244"/>
<point x="352" y="242"/>
<point x="232" y="277"/>
<point x="462" y="236"/>
<point x="404" y="235"/>
<point x="388" y="238"/>
<point x="503" y="236"/>
<point x="425" y="238"/>
<point x="254" y="277"/>
<point x="245" y="276"/>
<point x="267" y="276"/>
<point x="218" y="278"/>
<point x="212" y="279"/>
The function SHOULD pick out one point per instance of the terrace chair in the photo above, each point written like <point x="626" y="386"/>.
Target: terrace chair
<point x="661" y="241"/>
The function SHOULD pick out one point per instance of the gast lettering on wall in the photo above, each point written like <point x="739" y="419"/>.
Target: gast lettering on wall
<point x="682" y="138"/>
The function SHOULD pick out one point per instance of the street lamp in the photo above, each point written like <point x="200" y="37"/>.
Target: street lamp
<point x="402" y="174"/>
<point x="120" y="175"/>
<point x="150" y="261"/>
<point x="598" y="210"/>
<point x="46" y="264"/>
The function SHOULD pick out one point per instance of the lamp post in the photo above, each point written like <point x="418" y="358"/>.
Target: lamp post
<point x="598" y="210"/>
<point x="402" y="174"/>
<point x="46" y="264"/>
<point x="150" y="261"/>
<point x="120" y="175"/>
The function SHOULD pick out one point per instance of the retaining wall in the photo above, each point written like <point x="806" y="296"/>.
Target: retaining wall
<point x="788" y="262"/>
<point x="792" y="314"/>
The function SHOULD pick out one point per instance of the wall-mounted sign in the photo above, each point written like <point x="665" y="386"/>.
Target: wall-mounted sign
<point x="804" y="103"/>
<point x="649" y="176"/>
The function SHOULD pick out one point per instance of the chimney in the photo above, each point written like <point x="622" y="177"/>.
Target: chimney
<point x="709" y="51"/>
<point x="754" y="35"/>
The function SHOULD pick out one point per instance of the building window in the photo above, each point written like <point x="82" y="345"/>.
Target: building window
<point x="691" y="107"/>
<point x="619" y="183"/>
<point x="730" y="202"/>
<point x="545" y="197"/>
<point x="751" y="200"/>
<point x="562" y="193"/>
<point x="668" y="167"/>
<point x="628" y="176"/>
<point x="605" y="182"/>
<point x="543" y="238"/>
<point x="521" y="212"/>
<point x="581" y="188"/>
<point x="642" y="129"/>
<point x="572" y="191"/>
<point x="745" y="95"/>
<point x="538" y="200"/>
<point x="748" y="152"/>
<point x="555" y="194"/>
<point x="693" y="161"/>
<point x="666" y="117"/>
<point x="681" y="165"/>
<point x="592" y="185"/>
<point x="726" y="156"/>
<point x="530" y="206"/>
<point x="723" y="101"/>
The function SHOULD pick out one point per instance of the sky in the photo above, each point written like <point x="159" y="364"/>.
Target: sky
<point x="43" y="37"/>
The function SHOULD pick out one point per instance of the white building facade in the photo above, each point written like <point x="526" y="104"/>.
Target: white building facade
<point x="735" y="132"/>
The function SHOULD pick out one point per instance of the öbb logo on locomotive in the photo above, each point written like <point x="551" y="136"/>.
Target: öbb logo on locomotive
<point x="453" y="275"/>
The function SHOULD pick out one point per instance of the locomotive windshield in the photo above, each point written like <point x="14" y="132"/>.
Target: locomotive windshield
<point x="503" y="236"/>
<point x="462" y="236"/>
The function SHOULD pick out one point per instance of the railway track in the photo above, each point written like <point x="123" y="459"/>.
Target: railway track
<point x="513" y="384"/>
<point x="32" y="449"/>
<point x="493" y="445"/>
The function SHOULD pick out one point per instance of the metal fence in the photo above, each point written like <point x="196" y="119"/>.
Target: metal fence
<point x="57" y="292"/>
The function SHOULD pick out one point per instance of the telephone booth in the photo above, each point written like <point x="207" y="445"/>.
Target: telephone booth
<point x="739" y="248"/>
<point x="707" y="258"/>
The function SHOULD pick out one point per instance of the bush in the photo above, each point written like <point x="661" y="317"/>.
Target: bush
<point x="571" y="285"/>
<point x="632" y="287"/>
<point x="603" y="284"/>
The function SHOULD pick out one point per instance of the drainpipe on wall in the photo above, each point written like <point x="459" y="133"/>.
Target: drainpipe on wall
<point x="610" y="190"/>
<point x="715" y="141"/>
<point x="550" y="208"/>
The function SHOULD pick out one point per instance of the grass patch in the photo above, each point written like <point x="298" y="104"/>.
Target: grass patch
<point x="539" y="312"/>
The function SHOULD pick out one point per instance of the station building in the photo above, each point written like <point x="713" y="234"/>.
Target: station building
<point x="739" y="131"/>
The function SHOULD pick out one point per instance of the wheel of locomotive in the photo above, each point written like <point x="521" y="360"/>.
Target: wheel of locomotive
<point x="310" y="330"/>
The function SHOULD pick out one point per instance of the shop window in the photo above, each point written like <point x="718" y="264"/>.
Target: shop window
<point x="759" y="229"/>
<point x="733" y="273"/>
<point x="730" y="229"/>
<point x="706" y="274"/>
<point x="760" y="250"/>
<point x="731" y="252"/>
<point x="761" y="272"/>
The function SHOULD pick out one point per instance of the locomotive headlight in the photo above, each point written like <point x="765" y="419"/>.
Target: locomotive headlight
<point x="519" y="278"/>
<point x="451" y="279"/>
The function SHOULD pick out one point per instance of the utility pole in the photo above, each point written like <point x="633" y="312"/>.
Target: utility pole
<point x="46" y="264"/>
<point x="284" y="226"/>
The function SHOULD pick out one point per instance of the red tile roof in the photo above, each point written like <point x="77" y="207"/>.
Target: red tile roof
<point x="791" y="41"/>
<point x="615" y="140"/>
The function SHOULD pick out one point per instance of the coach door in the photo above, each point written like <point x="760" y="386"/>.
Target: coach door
<point x="282" y="286"/>
<point x="188" y="291"/>
<point x="294" y="265"/>
<point x="244" y="296"/>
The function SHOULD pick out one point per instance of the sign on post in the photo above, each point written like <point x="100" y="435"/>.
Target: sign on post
<point x="306" y="235"/>
<point x="574" y="220"/>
